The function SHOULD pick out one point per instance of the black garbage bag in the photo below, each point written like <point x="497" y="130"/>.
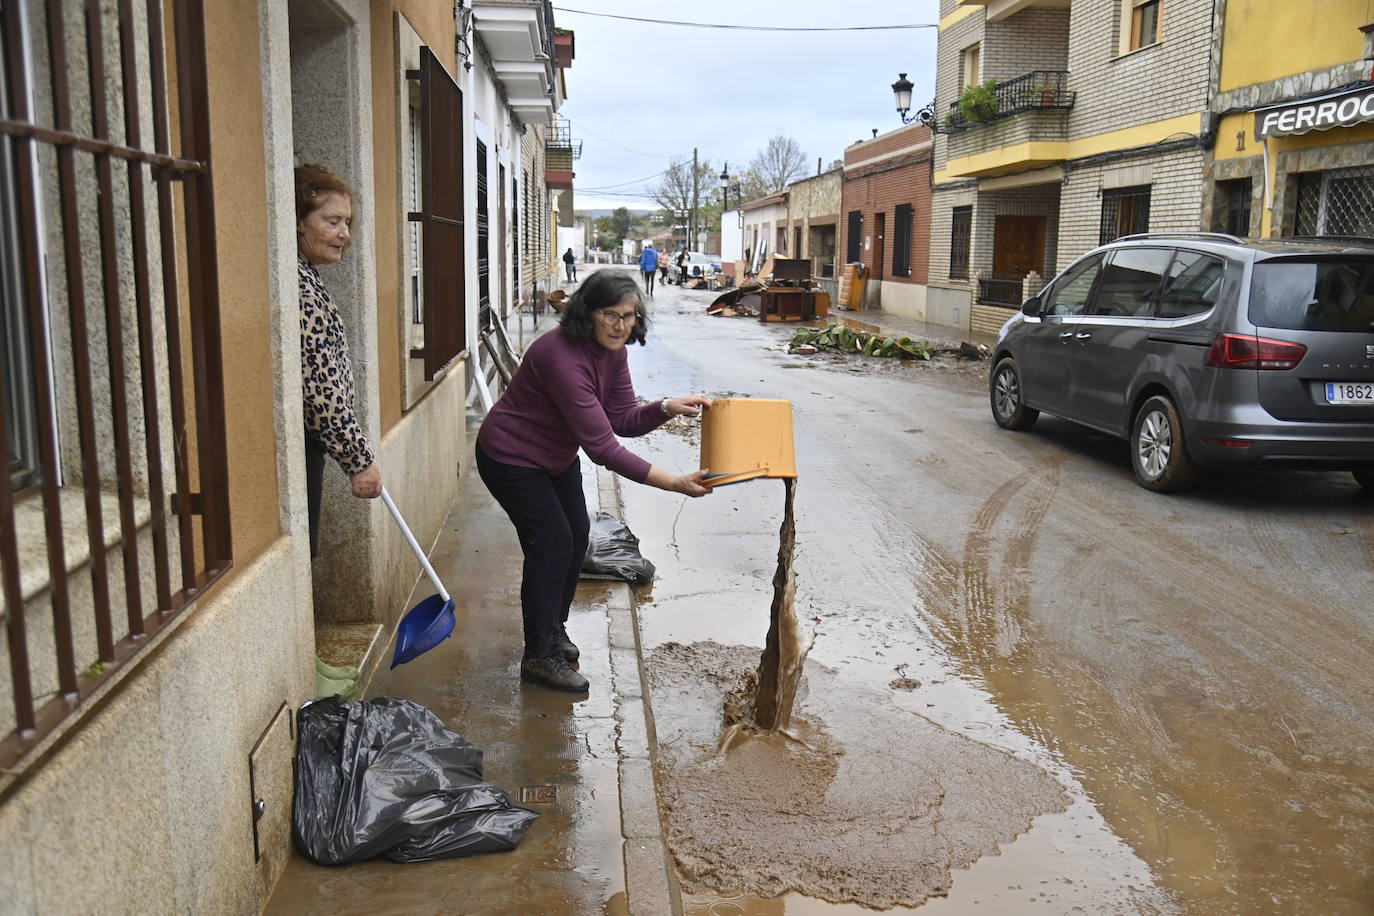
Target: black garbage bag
<point x="613" y="553"/>
<point x="383" y="777"/>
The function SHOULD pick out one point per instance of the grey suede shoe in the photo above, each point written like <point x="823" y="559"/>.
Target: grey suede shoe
<point x="552" y="672"/>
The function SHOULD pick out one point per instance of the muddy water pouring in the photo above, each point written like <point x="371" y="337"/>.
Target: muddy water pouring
<point x="748" y="439"/>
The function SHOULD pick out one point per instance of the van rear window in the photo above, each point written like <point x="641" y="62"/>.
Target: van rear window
<point x="1317" y="295"/>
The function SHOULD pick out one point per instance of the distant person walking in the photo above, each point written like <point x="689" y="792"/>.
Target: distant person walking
<point x="682" y="263"/>
<point x="648" y="265"/>
<point x="570" y="265"/>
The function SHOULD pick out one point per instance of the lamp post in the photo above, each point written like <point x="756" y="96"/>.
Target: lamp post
<point x="725" y="188"/>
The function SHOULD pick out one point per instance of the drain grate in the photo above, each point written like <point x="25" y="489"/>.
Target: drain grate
<point x="538" y="795"/>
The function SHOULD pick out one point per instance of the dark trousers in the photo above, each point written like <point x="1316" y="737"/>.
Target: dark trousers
<point x="572" y="271"/>
<point x="550" y="517"/>
<point x="314" y="486"/>
<point x="649" y="280"/>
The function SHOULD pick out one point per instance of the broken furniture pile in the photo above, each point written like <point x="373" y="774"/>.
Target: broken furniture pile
<point x="784" y="292"/>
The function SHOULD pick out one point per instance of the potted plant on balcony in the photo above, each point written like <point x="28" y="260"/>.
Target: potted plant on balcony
<point x="978" y="101"/>
<point x="1047" y="90"/>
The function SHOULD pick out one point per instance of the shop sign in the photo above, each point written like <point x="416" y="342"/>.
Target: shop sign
<point x="1340" y="109"/>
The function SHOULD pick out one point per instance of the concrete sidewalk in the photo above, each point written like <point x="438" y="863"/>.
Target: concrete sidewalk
<point x="582" y="762"/>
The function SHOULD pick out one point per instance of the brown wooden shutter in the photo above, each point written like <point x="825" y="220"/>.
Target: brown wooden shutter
<point x="441" y="216"/>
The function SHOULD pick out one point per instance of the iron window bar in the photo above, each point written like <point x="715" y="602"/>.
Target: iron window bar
<point x="52" y="679"/>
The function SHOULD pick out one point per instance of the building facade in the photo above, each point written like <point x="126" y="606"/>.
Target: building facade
<point x="1294" y="107"/>
<point x="1061" y="126"/>
<point x="885" y="217"/>
<point x="162" y="611"/>
<point x="813" y="216"/>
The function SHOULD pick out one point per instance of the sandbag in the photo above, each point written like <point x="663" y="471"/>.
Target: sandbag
<point x="613" y="553"/>
<point x="384" y="777"/>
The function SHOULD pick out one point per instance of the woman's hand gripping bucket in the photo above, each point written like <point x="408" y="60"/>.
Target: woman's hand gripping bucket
<point x="745" y="438"/>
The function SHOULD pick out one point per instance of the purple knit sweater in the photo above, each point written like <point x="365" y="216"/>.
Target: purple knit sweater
<point x="567" y="394"/>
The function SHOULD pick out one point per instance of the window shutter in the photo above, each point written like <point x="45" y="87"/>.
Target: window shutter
<point x="441" y="217"/>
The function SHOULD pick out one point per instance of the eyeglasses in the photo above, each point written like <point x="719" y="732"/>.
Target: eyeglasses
<point x="613" y="319"/>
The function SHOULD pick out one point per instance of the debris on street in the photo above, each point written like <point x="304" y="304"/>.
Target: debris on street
<point x="840" y="337"/>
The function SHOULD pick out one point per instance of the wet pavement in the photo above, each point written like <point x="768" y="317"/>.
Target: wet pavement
<point x="1193" y="669"/>
<point x="1192" y="672"/>
<point x="580" y="761"/>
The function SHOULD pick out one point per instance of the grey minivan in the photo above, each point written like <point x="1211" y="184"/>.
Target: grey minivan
<point x="1203" y="349"/>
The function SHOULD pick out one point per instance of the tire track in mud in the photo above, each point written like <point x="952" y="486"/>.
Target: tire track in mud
<point x="1274" y="538"/>
<point x="995" y="611"/>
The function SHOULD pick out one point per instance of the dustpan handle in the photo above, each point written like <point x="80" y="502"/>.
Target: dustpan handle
<point x="410" y="539"/>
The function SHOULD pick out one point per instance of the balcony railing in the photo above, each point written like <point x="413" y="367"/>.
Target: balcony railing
<point x="1034" y="91"/>
<point x="995" y="291"/>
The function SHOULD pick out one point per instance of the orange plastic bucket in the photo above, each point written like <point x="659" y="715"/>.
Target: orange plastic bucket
<point x="745" y="438"/>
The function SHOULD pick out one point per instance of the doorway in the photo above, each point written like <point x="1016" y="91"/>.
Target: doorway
<point x="1018" y="246"/>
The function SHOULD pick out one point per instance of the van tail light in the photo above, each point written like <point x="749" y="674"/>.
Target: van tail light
<point x="1245" y="351"/>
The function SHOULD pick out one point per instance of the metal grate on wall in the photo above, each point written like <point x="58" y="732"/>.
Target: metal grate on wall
<point x="1336" y="202"/>
<point x="1125" y="211"/>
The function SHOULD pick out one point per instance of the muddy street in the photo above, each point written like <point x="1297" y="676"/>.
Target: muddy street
<point x="1165" y="702"/>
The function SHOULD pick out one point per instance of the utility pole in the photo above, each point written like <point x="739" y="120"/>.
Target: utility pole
<point x="696" y="190"/>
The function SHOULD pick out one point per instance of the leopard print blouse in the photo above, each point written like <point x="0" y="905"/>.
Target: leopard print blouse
<point x="327" y="376"/>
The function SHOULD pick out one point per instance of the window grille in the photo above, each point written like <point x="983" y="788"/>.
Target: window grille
<point x="960" y="236"/>
<point x="901" y="241"/>
<point x="1125" y="211"/>
<point x="483" y="241"/>
<point x="853" y="237"/>
<point x="1232" y="211"/>
<point x="111" y="307"/>
<point x="441" y="215"/>
<point x="1337" y="202"/>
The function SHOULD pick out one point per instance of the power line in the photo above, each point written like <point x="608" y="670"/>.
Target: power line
<point x="612" y="142"/>
<point x="755" y="28"/>
<point x="622" y="184"/>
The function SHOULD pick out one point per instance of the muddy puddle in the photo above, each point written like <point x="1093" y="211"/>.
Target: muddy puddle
<point x="883" y="719"/>
<point x="857" y="801"/>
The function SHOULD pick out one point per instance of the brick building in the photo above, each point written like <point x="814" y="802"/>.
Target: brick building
<point x="1097" y="126"/>
<point x="885" y="223"/>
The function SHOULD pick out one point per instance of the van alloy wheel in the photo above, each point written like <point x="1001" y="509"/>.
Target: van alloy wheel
<point x="1159" y="455"/>
<point x="1008" y="408"/>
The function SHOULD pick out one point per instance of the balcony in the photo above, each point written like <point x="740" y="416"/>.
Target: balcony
<point x="1024" y="126"/>
<point x="518" y="36"/>
<point x="560" y="151"/>
<point x="1002" y="9"/>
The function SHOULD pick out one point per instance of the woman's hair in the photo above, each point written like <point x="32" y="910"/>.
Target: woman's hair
<point x="313" y="180"/>
<point x="603" y="289"/>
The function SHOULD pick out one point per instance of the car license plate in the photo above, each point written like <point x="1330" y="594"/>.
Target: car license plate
<point x="1350" y="392"/>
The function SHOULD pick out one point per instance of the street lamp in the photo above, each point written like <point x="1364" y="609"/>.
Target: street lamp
<point x="725" y="188"/>
<point x="902" y="90"/>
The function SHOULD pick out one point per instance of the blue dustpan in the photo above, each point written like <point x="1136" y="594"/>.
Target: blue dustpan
<point x="431" y="621"/>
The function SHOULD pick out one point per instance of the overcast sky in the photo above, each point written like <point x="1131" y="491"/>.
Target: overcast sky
<point x="641" y="93"/>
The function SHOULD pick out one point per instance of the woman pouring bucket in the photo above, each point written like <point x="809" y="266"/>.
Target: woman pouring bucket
<point x="572" y="391"/>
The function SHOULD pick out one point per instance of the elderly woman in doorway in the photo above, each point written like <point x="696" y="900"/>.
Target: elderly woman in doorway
<point x="324" y="216"/>
<point x="572" y="391"/>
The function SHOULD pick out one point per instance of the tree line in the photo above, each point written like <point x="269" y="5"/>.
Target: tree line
<point x="680" y="188"/>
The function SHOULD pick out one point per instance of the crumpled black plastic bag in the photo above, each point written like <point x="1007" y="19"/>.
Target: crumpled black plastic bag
<point x="384" y="777"/>
<point x="613" y="553"/>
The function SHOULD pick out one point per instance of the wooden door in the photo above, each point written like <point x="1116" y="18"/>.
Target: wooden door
<point x="1018" y="246"/>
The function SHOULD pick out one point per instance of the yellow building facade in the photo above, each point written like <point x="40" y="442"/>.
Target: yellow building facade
<point x="1294" y="109"/>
